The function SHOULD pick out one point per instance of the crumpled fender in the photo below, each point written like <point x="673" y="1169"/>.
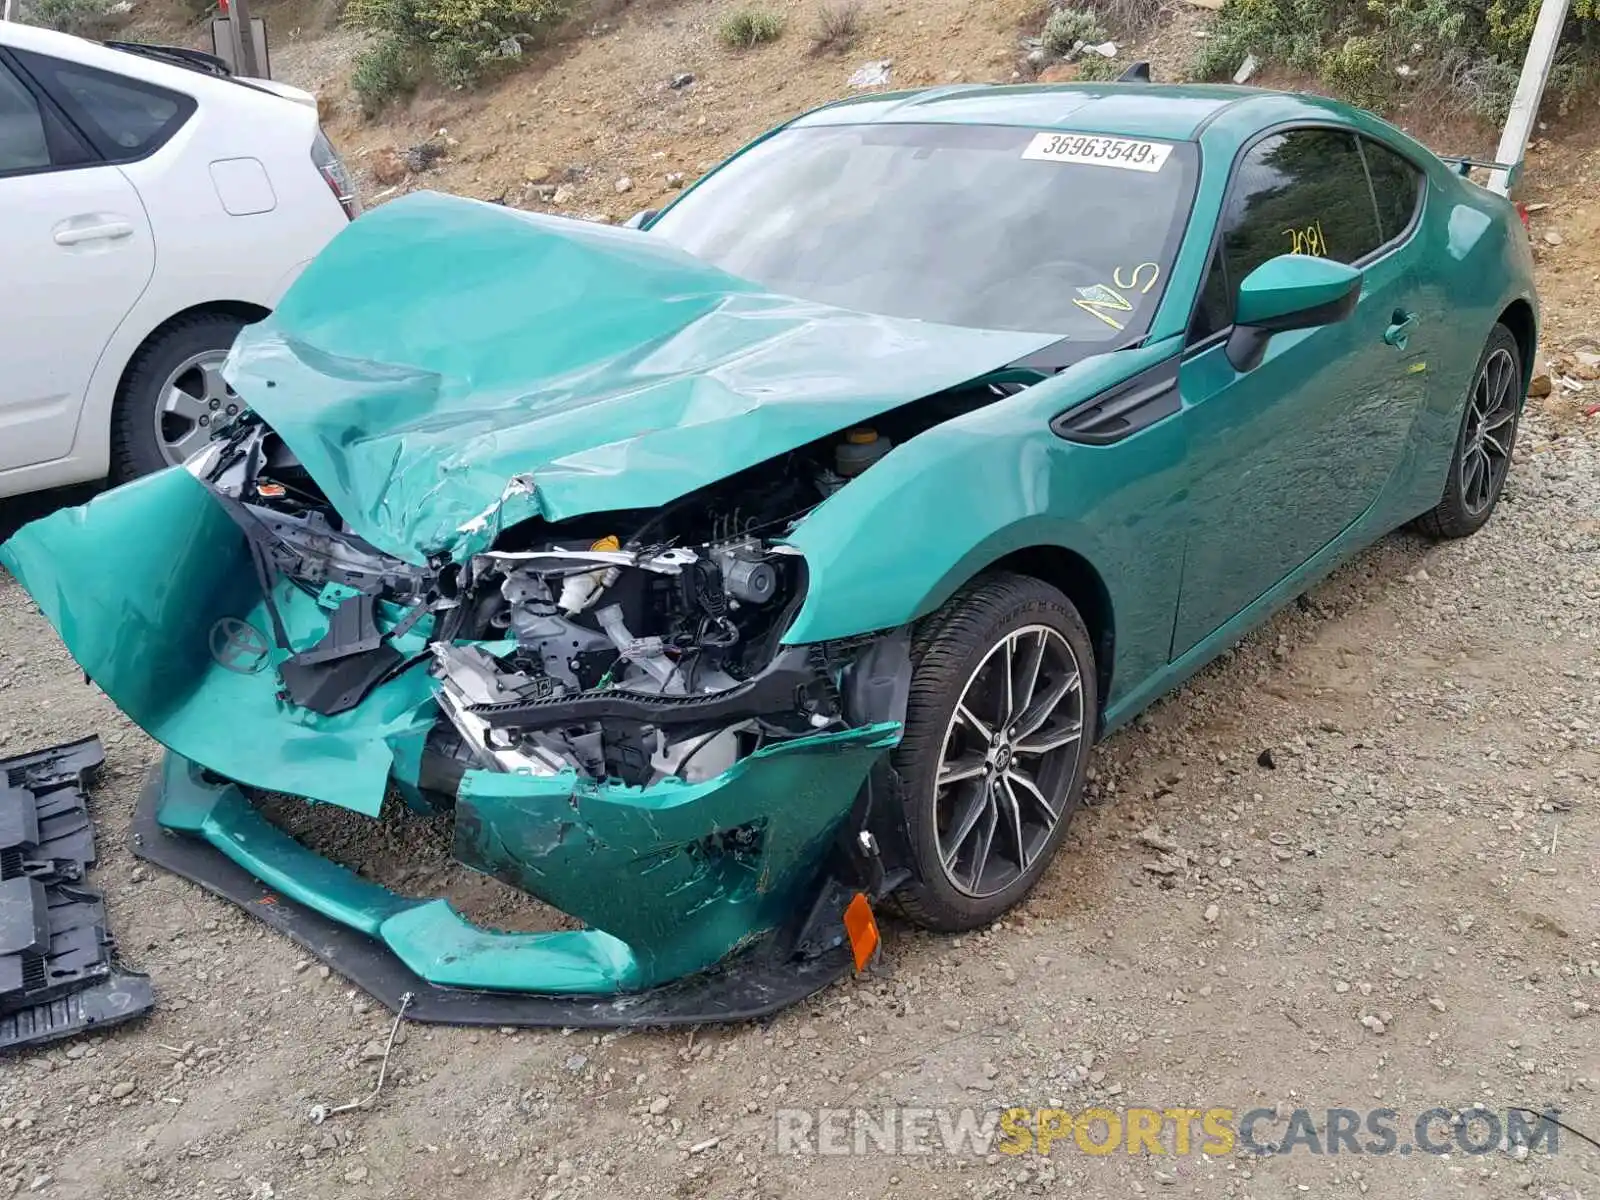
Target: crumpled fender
<point x="964" y="494"/>
<point x="447" y="368"/>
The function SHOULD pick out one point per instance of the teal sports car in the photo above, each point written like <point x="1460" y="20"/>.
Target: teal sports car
<point x="722" y="577"/>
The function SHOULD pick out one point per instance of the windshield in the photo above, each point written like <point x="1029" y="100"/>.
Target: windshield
<point x="983" y="226"/>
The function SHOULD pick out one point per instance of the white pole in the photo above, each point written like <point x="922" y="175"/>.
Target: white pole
<point x="7" y="15"/>
<point x="1530" y="89"/>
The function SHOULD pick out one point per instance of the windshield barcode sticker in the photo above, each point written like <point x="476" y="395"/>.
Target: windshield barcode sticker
<point x="1127" y="153"/>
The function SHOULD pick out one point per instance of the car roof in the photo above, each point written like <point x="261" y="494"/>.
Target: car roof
<point x="88" y="53"/>
<point x="1172" y="111"/>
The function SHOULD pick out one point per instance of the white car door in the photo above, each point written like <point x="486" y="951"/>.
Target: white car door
<point x="75" y="254"/>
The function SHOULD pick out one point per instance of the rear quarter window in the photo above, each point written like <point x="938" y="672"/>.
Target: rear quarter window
<point x="22" y="142"/>
<point x="124" y="118"/>
<point x="1396" y="186"/>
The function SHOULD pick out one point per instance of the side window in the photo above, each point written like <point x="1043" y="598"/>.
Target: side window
<point x="1396" y="186"/>
<point x="23" y="146"/>
<point x="1301" y="192"/>
<point x="125" y="118"/>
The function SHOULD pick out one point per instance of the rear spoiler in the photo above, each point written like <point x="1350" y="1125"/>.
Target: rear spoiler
<point x="1463" y="166"/>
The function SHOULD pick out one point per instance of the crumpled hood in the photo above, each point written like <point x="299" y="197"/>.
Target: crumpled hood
<point x="447" y="368"/>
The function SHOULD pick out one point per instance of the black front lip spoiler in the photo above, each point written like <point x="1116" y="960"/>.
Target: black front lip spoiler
<point x="757" y="982"/>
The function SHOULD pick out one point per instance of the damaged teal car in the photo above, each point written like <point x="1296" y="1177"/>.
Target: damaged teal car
<point x="726" y="576"/>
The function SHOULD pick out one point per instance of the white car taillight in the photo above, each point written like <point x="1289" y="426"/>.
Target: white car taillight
<point x="337" y="176"/>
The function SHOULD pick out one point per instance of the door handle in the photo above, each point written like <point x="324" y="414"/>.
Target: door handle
<point x="1401" y="323"/>
<point x="106" y="231"/>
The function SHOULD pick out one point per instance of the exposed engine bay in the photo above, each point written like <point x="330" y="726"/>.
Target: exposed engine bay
<point x="628" y="645"/>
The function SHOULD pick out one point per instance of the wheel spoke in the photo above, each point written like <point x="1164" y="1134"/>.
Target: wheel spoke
<point x="1028" y="677"/>
<point x="966" y="714"/>
<point x="983" y="842"/>
<point x="183" y="404"/>
<point x="965" y="767"/>
<point x="1013" y="817"/>
<point x="1485" y="476"/>
<point x="1502" y="392"/>
<point x="1480" y="395"/>
<point x="1017" y="780"/>
<point x="1039" y="712"/>
<point x="1470" y="473"/>
<point x="1010" y="668"/>
<point x="216" y="387"/>
<point x="974" y="809"/>
<point x="1045" y="740"/>
<point x="1492" y="443"/>
<point x="192" y="440"/>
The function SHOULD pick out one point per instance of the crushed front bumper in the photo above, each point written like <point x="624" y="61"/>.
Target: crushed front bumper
<point x="683" y="927"/>
<point x="699" y="901"/>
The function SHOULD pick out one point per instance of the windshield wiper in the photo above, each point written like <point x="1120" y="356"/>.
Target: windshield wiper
<point x="195" y="60"/>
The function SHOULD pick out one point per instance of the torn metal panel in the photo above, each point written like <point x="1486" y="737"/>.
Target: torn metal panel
<point x="448" y="368"/>
<point x="708" y="864"/>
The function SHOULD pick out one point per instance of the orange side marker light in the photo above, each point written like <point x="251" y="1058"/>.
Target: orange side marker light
<point x="862" y="927"/>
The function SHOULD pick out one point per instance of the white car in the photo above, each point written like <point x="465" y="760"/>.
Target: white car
<point x="150" y="206"/>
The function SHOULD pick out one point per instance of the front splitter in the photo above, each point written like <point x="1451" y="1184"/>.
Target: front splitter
<point x="756" y="982"/>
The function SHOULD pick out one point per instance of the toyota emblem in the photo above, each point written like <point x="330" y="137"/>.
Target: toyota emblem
<point x="238" y="646"/>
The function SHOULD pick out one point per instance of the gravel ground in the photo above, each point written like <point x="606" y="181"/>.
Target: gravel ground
<point x="1399" y="912"/>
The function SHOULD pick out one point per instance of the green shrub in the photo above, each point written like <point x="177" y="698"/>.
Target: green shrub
<point x="837" y="27"/>
<point x="1095" y="67"/>
<point x="1066" y="27"/>
<point x="1358" y="70"/>
<point x="1376" y="52"/>
<point x="458" y="41"/>
<point x="746" y="27"/>
<point x="82" y="17"/>
<point x="386" y="70"/>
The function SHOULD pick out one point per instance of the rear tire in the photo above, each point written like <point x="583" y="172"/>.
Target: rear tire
<point x="1488" y="433"/>
<point x="172" y="395"/>
<point x="998" y="727"/>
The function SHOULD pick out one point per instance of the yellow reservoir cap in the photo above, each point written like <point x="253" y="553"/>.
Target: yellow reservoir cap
<point x="609" y="542"/>
<point x="861" y="437"/>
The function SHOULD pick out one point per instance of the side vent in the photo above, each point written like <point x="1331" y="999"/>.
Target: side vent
<point x="1121" y="411"/>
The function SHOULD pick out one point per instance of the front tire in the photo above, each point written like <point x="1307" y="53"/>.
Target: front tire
<point x="999" y="723"/>
<point x="1488" y="432"/>
<point x="173" y="396"/>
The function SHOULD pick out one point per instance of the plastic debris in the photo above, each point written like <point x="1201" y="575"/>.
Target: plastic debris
<point x="872" y="74"/>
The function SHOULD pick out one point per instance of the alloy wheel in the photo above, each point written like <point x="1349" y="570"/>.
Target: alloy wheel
<point x="1486" y="444"/>
<point x="192" y="404"/>
<point x="1009" y="752"/>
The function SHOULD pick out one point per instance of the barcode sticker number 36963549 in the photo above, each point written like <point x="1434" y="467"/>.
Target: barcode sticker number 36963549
<point x="1130" y="154"/>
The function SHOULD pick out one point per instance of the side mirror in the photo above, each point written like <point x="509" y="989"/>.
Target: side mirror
<point x="639" y="219"/>
<point x="1292" y="291"/>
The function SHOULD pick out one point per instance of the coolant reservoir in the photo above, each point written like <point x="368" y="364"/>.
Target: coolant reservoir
<point x="859" y="450"/>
